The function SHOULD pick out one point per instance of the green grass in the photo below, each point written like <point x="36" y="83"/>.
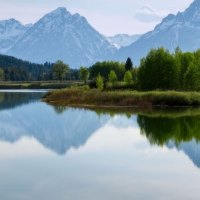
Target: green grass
<point x="125" y="98"/>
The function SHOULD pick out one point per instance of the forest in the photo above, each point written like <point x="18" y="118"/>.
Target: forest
<point x="13" y="69"/>
<point x="159" y="70"/>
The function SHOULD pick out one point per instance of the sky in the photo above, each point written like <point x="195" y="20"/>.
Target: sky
<point x="109" y="17"/>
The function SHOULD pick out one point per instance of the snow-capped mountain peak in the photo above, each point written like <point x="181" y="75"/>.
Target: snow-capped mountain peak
<point x="180" y="30"/>
<point x="10" y="31"/>
<point x="10" y="27"/>
<point x="122" y="40"/>
<point x="60" y="35"/>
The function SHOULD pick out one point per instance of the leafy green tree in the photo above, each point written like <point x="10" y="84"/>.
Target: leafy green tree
<point x="158" y="71"/>
<point x="104" y="69"/>
<point x="99" y="82"/>
<point x="134" y="73"/>
<point x="129" y="64"/>
<point x="1" y="75"/>
<point x="182" y="62"/>
<point x="192" y="77"/>
<point x="60" y="70"/>
<point x="84" y="74"/>
<point x="112" y="77"/>
<point x="128" y="77"/>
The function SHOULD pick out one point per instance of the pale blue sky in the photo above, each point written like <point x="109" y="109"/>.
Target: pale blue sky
<point x="107" y="16"/>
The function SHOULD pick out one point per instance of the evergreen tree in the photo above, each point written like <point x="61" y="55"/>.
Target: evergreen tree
<point x="1" y="74"/>
<point x="129" y="64"/>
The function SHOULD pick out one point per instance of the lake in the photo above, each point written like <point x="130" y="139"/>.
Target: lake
<point x="60" y="153"/>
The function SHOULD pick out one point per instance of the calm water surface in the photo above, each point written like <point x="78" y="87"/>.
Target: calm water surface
<point x="56" y="153"/>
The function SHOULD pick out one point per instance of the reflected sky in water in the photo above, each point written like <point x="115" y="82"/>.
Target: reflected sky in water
<point x="66" y="153"/>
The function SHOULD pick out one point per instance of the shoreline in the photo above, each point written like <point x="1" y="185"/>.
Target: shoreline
<point x="126" y="99"/>
<point x="37" y="85"/>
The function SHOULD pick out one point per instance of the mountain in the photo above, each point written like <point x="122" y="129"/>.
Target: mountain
<point x="122" y="40"/>
<point x="181" y="30"/>
<point x="65" y="131"/>
<point x="10" y="32"/>
<point x="57" y="128"/>
<point x="191" y="149"/>
<point x="60" y="35"/>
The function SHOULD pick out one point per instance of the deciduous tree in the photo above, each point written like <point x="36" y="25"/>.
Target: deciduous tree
<point x="60" y="69"/>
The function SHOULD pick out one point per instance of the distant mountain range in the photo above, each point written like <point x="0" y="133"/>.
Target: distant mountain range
<point x="61" y="35"/>
<point x="57" y="35"/>
<point x="10" y="32"/>
<point x="181" y="30"/>
<point x="123" y="40"/>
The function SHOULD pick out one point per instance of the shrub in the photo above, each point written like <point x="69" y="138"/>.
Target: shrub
<point x="99" y="82"/>
<point x="112" y="77"/>
<point x="128" y="78"/>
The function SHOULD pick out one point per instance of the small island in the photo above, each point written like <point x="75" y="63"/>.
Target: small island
<point x="161" y="79"/>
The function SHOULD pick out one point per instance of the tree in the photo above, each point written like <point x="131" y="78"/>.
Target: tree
<point x="192" y="77"/>
<point x="60" y="69"/>
<point x="99" y="82"/>
<point x="1" y="74"/>
<point x="129" y="64"/>
<point x="128" y="78"/>
<point x="112" y="77"/>
<point x="158" y="71"/>
<point x="182" y="62"/>
<point x="84" y="74"/>
<point x="105" y="67"/>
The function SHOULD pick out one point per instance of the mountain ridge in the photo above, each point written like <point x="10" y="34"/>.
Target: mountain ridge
<point x="122" y="40"/>
<point x="10" y="31"/>
<point x="60" y="35"/>
<point x="180" y="30"/>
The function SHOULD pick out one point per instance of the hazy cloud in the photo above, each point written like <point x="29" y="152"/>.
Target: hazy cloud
<point x="148" y="14"/>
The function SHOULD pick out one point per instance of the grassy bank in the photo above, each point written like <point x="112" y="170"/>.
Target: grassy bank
<point x="92" y="98"/>
<point x="37" y="85"/>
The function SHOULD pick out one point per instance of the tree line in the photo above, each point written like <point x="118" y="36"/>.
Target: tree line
<point x="163" y="70"/>
<point x="13" y="69"/>
<point x="159" y="70"/>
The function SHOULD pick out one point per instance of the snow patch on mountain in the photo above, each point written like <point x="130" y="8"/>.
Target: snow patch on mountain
<point x="10" y="31"/>
<point x="60" y="35"/>
<point x="122" y="40"/>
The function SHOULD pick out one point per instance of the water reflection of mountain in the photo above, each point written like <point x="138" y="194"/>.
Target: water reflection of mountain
<point x="182" y="133"/>
<point x="191" y="149"/>
<point x="58" y="132"/>
<point x="55" y="127"/>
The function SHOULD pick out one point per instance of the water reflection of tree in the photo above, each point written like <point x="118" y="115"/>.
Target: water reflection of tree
<point x="160" y="130"/>
<point x="60" y="109"/>
<point x="9" y="100"/>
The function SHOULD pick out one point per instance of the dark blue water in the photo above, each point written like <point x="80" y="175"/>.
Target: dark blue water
<point x="56" y="153"/>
